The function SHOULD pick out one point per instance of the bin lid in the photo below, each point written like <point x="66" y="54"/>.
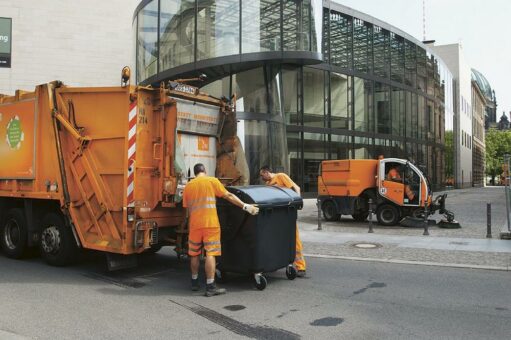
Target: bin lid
<point x="265" y="195"/>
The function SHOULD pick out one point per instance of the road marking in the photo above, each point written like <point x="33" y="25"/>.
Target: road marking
<point x="423" y="263"/>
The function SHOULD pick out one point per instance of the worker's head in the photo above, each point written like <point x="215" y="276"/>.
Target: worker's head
<point x="199" y="168"/>
<point x="265" y="173"/>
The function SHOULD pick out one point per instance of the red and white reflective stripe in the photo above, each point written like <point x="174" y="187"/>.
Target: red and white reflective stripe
<point x="132" y="148"/>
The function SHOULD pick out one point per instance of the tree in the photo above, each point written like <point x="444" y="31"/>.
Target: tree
<point x="498" y="143"/>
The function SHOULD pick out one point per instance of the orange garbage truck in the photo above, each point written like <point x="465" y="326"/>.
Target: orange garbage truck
<point x="103" y="168"/>
<point x="397" y="188"/>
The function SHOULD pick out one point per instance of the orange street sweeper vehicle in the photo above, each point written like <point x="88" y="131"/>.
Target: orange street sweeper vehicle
<point x="104" y="168"/>
<point x="396" y="186"/>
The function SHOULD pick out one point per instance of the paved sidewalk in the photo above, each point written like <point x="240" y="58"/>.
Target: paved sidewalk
<point x="466" y="247"/>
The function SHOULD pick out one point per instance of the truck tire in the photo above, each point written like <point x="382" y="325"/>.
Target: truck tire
<point x="58" y="246"/>
<point x="329" y="211"/>
<point x="14" y="234"/>
<point x="360" y="216"/>
<point x="387" y="215"/>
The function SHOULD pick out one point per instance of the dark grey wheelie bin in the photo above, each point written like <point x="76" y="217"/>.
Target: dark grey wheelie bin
<point x="263" y="243"/>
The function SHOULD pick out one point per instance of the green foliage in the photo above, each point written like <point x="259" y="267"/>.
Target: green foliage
<point x="498" y="143"/>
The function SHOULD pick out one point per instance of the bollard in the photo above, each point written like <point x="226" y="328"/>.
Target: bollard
<point x="318" y="204"/>
<point x="426" y="226"/>
<point x="370" y="216"/>
<point x="488" y="220"/>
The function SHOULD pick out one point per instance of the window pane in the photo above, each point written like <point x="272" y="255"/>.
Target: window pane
<point x="397" y="57"/>
<point x="381" y="51"/>
<point x="340" y="98"/>
<point x="326" y="33"/>
<point x="362" y="147"/>
<point x="254" y="137"/>
<point x="278" y="146"/>
<point x="341" y="46"/>
<point x="177" y="33"/>
<point x="275" y="88"/>
<point x="363" y="105"/>
<point x="362" y="38"/>
<point x="290" y="89"/>
<point x="340" y="147"/>
<point x="295" y="157"/>
<point x="421" y="122"/>
<point x="250" y="89"/>
<point x="398" y="111"/>
<point x="218" y="88"/>
<point x="218" y="24"/>
<point x="261" y="26"/>
<point x="314" y="151"/>
<point x="314" y="97"/>
<point x="382" y="107"/>
<point x="147" y="55"/>
<point x="421" y="69"/>
<point x="296" y="25"/>
<point x="410" y="64"/>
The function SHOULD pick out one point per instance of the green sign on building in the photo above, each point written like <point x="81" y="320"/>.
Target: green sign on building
<point x="5" y="42"/>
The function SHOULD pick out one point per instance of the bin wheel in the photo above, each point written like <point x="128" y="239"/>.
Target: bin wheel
<point x="291" y="272"/>
<point x="14" y="234"/>
<point x="329" y="211"/>
<point x="260" y="281"/>
<point x="220" y="276"/>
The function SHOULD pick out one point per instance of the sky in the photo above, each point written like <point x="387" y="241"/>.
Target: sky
<point x="482" y="28"/>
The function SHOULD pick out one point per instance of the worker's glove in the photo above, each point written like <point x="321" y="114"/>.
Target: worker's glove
<point x="251" y="209"/>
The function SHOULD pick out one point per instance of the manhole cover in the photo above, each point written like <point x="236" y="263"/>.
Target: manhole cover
<point x="366" y="245"/>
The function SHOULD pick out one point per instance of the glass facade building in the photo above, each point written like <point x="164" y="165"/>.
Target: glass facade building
<point x="314" y="80"/>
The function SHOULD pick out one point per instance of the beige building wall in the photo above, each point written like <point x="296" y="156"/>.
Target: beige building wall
<point x="82" y="43"/>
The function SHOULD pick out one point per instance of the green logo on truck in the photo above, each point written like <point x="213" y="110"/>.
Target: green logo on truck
<point x="14" y="133"/>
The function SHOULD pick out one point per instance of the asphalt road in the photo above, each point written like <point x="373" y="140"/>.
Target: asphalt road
<point x="340" y="300"/>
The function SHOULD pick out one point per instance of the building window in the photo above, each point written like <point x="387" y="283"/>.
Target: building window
<point x="261" y="26"/>
<point x="362" y="46"/>
<point x="363" y="110"/>
<point x="381" y="51"/>
<point x="341" y="43"/>
<point x="147" y="47"/>
<point x="250" y="87"/>
<point x="397" y="51"/>
<point x="382" y="108"/>
<point x="218" y="23"/>
<point x="313" y="97"/>
<point x="340" y="101"/>
<point x="177" y="33"/>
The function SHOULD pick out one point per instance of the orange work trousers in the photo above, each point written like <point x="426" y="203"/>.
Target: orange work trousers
<point x="299" y="259"/>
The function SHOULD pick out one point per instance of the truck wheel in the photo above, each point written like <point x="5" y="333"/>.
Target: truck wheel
<point x="329" y="211"/>
<point x="360" y="216"/>
<point x="14" y="234"/>
<point x="387" y="214"/>
<point x="58" y="246"/>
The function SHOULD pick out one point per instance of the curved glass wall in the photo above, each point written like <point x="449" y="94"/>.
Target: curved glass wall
<point x="171" y="33"/>
<point x="377" y="92"/>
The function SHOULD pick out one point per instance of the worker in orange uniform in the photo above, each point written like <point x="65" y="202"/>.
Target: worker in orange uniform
<point x="199" y="198"/>
<point x="283" y="180"/>
<point x="395" y="176"/>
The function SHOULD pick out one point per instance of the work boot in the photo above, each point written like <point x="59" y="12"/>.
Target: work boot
<point x="195" y="285"/>
<point x="212" y="290"/>
<point x="301" y="273"/>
